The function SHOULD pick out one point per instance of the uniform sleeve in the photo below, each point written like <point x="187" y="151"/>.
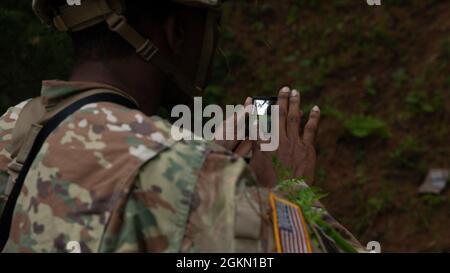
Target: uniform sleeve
<point x="154" y="215"/>
<point x="191" y="199"/>
<point x="194" y="200"/>
<point x="229" y="213"/>
<point x="7" y="123"/>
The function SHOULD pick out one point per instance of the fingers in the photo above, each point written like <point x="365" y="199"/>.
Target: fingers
<point x="294" y="116"/>
<point x="283" y="103"/>
<point x="220" y="134"/>
<point x="311" y="126"/>
<point x="239" y="123"/>
<point x="290" y="114"/>
<point x="228" y="125"/>
<point x="244" y="148"/>
<point x="248" y="101"/>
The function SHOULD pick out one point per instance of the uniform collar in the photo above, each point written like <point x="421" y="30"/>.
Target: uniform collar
<point x="54" y="91"/>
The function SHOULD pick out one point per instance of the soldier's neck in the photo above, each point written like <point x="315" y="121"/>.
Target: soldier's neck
<point x="143" y="84"/>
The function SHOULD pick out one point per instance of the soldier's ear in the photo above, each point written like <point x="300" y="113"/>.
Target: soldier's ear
<point x="175" y="34"/>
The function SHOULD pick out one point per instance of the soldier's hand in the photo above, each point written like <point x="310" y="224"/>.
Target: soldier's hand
<point x="296" y="150"/>
<point x="240" y="147"/>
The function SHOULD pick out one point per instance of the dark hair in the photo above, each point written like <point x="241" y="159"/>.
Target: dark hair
<point x="100" y="42"/>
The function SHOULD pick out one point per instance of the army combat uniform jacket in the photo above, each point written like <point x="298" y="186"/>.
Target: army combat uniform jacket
<point x="114" y="180"/>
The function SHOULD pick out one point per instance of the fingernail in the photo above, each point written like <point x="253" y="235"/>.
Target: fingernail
<point x="294" y="93"/>
<point x="316" y="109"/>
<point x="285" y="89"/>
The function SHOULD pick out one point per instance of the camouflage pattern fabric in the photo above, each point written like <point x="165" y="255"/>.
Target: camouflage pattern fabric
<point x="114" y="180"/>
<point x="7" y="124"/>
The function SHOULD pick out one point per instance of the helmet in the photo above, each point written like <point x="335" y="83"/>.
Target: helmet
<point x="72" y="18"/>
<point x="205" y="3"/>
<point x="46" y="12"/>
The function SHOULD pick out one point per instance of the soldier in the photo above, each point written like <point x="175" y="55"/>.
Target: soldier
<point x="83" y="163"/>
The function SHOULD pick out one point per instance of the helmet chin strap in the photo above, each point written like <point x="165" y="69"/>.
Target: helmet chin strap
<point x="150" y="53"/>
<point x="81" y="17"/>
<point x="208" y="47"/>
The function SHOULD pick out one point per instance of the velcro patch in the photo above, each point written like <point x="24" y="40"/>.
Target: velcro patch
<point x="289" y="226"/>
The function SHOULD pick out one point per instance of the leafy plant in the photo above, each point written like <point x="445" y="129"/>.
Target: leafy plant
<point x="370" y="86"/>
<point x="366" y="126"/>
<point x="400" y="77"/>
<point x="359" y="126"/>
<point x="418" y="102"/>
<point x="407" y="153"/>
<point x="306" y="198"/>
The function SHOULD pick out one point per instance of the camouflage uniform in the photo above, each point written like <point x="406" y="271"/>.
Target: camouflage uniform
<point x="114" y="180"/>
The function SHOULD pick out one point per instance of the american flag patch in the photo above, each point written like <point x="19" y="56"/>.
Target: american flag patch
<point x="291" y="233"/>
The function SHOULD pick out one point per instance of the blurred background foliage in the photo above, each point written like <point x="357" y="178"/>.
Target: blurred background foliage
<point x="29" y="53"/>
<point x="380" y="74"/>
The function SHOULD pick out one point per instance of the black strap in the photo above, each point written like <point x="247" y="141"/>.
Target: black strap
<point x="52" y="124"/>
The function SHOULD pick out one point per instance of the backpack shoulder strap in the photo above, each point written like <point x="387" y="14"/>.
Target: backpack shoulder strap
<point x="34" y="115"/>
<point x="35" y="124"/>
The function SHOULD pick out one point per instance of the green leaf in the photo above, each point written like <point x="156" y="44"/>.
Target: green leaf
<point x="365" y="126"/>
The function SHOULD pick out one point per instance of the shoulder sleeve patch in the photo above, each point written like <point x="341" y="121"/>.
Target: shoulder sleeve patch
<point x="289" y="226"/>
